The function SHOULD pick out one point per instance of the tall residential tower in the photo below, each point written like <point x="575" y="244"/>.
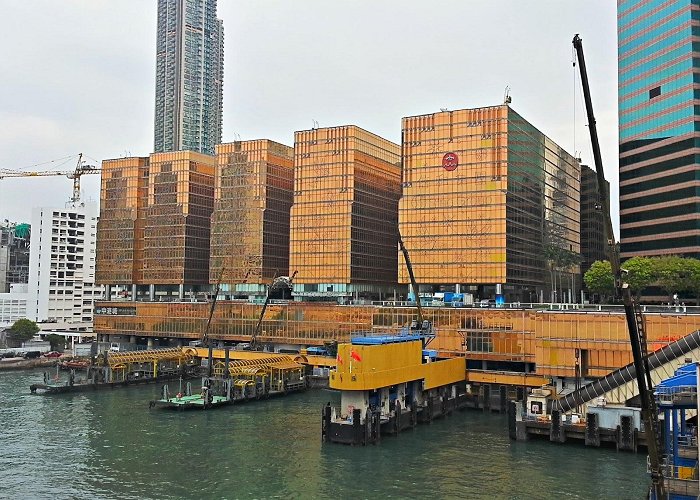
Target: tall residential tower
<point x="659" y="108"/>
<point x="189" y="76"/>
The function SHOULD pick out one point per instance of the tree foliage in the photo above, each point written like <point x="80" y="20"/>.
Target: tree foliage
<point x="23" y="330"/>
<point x="58" y="342"/>
<point x="599" y="278"/>
<point x="673" y="274"/>
<point x="641" y="273"/>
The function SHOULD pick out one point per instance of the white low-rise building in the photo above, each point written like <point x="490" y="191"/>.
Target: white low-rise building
<point x="13" y="305"/>
<point x="62" y="264"/>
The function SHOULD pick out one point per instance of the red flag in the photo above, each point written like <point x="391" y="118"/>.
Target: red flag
<point x="355" y="356"/>
<point x="339" y="359"/>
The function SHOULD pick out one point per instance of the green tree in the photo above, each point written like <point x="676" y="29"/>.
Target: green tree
<point x="693" y="270"/>
<point x="599" y="278"/>
<point x="672" y="274"/>
<point x="642" y="272"/>
<point x="23" y="330"/>
<point x="58" y="342"/>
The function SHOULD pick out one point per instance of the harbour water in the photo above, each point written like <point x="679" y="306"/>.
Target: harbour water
<point x="108" y="444"/>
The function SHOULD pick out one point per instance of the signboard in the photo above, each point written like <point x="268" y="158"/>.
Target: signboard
<point x="116" y="311"/>
<point x="450" y="161"/>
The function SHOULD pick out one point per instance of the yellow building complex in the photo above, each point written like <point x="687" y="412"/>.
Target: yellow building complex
<point x="344" y="218"/>
<point x="250" y="224"/>
<point x="490" y="205"/>
<point x="120" y="227"/>
<point x="164" y="204"/>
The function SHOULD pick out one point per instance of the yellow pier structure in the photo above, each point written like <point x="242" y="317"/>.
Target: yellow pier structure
<point x="153" y="363"/>
<point x="388" y="384"/>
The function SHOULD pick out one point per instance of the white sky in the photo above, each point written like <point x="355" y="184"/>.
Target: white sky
<point x="79" y="75"/>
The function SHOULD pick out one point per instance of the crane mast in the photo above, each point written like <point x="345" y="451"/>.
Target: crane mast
<point x="633" y="314"/>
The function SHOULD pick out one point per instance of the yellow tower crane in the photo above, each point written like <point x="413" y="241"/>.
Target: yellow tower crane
<point x="80" y="170"/>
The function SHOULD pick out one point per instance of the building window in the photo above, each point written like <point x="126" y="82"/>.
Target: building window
<point x="655" y="92"/>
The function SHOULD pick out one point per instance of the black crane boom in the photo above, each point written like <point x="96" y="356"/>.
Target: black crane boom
<point x="633" y="314"/>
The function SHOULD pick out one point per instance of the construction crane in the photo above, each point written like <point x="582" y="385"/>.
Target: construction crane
<point x="633" y="313"/>
<point x="277" y="282"/>
<point x="80" y="170"/>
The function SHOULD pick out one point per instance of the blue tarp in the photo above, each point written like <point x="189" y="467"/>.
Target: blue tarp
<point x="685" y="376"/>
<point x="384" y="339"/>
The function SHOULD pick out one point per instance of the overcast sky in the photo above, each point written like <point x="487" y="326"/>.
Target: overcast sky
<point x="78" y="75"/>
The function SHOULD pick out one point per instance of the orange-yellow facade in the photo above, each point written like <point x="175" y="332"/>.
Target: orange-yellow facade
<point x="120" y="227"/>
<point x="487" y="200"/>
<point x="343" y="235"/>
<point x="250" y="225"/>
<point x="544" y="340"/>
<point x="177" y="218"/>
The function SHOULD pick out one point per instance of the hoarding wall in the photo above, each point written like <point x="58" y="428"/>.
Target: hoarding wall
<point x="546" y="340"/>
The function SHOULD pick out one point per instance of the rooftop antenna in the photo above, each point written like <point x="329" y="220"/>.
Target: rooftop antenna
<point x="314" y="123"/>
<point x="506" y="95"/>
<point x="444" y="109"/>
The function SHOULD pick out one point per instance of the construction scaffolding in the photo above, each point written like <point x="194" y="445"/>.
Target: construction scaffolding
<point x="344" y="218"/>
<point x="250" y="224"/>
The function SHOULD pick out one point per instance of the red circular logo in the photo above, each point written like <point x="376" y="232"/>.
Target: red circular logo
<point x="450" y="161"/>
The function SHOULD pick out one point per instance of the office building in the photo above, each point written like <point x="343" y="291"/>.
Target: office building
<point x="593" y="242"/>
<point x="13" y="304"/>
<point x="124" y="196"/>
<point x="189" y="76"/>
<point x="659" y="139"/>
<point x="344" y="218"/>
<point x="490" y="206"/>
<point x="154" y="228"/>
<point x="62" y="284"/>
<point x="254" y="190"/>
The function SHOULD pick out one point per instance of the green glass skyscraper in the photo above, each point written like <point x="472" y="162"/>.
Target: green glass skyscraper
<point x="189" y="76"/>
<point x="659" y="113"/>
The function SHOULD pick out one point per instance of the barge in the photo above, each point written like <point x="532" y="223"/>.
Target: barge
<point x="228" y="382"/>
<point x="110" y="370"/>
<point x="389" y="383"/>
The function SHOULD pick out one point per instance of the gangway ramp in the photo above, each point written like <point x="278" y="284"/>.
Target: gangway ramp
<point x="621" y="385"/>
